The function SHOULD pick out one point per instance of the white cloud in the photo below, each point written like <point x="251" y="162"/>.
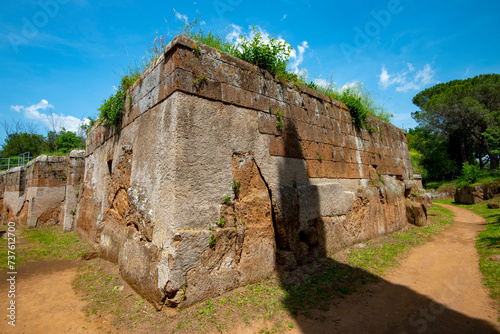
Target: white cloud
<point x="16" y="108"/>
<point x="33" y="113"/>
<point x="385" y="78"/>
<point x="235" y="34"/>
<point x="298" y="59"/>
<point x="407" y="79"/>
<point x="347" y="85"/>
<point x="322" y="83"/>
<point x="181" y="16"/>
<point x="284" y="17"/>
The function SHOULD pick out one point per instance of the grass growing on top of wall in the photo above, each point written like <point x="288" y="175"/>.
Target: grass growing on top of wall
<point x="487" y="244"/>
<point x="45" y="243"/>
<point x="268" y="53"/>
<point x="360" y="101"/>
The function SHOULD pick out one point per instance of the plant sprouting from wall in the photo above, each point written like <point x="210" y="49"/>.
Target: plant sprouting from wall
<point x="359" y="100"/>
<point x="111" y="110"/>
<point x="236" y="187"/>
<point x="194" y="31"/>
<point x="199" y="80"/>
<point x="280" y="123"/>
<point x="221" y="222"/>
<point x="154" y="51"/>
<point x="212" y="240"/>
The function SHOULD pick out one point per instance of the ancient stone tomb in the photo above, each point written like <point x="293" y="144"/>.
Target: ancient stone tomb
<point x="199" y="190"/>
<point x="44" y="192"/>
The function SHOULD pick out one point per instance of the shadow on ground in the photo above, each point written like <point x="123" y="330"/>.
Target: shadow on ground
<point x="323" y="301"/>
<point x="319" y="295"/>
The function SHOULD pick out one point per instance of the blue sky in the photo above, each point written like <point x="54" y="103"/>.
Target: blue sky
<point x="60" y="58"/>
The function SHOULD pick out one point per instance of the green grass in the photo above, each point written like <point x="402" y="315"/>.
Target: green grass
<point x="487" y="244"/>
<point x="361" y="103"/>
<point x="46" y="243"/>
<point x="308" y="291"/>
<point x="384" y="253"/>
<point x="486" y="177"/>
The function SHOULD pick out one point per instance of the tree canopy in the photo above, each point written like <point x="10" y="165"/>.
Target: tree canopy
<point x="23" y="140"/>
<point x="466" y="113"/>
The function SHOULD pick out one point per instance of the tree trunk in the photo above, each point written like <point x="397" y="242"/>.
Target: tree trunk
<point x="493" y="161"/>
<point x="463" y="152"/>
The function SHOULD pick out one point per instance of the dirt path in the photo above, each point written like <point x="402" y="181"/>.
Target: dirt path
<point x="437" y="289"/>
<point x="46" y="302"/>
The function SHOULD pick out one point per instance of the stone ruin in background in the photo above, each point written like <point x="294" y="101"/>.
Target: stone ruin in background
<point x="200" y="190"/>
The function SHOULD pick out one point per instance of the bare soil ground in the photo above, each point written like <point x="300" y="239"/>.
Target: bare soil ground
<point x="46" y="301"/>
<point x="437" y="289"/>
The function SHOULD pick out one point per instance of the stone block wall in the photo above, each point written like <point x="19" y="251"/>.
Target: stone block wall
<point x="202" y="126"/>
<point x="76" y="172"/>
<point x="40" y="193"/>
<point x="476" y="193"/>
<point x="46" y="189"/>
<point x="13" y="192"/>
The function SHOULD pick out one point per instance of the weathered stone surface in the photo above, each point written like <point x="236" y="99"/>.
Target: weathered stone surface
<point x="111" y="234"/>
<point x="137" y="263"/>
<point x="87" y="215"/>
<point x="286" y="215"/>
<point x="253" y="207"/>
<point x="304" y="191"/>
<point x="416" y="213"/>
<point x="323" y="200"/>
<point x="424" y="198"/>
<point x="52" y="216"/>
<point x="77" y="154"/>
<point x="469" y="195"/>
<point x="218" y="271"/>
<point x="476" y="194"/>
<point x="43" y="200"/>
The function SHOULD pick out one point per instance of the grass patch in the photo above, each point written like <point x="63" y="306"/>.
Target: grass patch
<point x="384" y="253"/>
<point x="45" y="243"/>
<point x="487" y="244"/>
<point x="106" y="294"/>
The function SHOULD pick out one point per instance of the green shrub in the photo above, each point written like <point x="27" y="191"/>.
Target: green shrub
<point x="359" y="100"/>
<point x="272" y="56"/>
<point x="470" y="174"/>
<point x="111" y="110"/>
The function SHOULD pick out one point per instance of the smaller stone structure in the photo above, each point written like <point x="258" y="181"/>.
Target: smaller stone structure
<point x="476" y="193"/>
<point x="13" y="196"/>
<point x="44" y="192"/>
<point x="46" y="188"/>
<point x="76" y="170"/>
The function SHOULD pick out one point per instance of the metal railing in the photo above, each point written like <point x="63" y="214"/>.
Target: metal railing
<point x="21" y="160"/>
